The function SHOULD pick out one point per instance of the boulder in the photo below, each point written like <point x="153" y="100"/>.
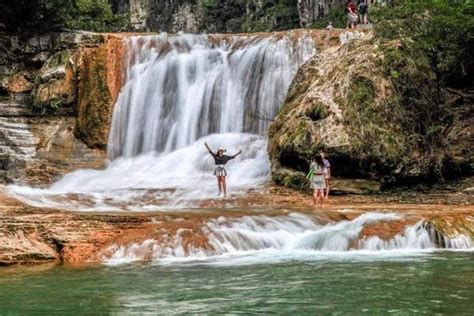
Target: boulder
<point x="358" y="103"/>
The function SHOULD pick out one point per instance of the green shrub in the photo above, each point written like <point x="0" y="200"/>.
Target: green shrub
<point x="45" y="15"/>
<point x="95" y="15"/>
<point x="443" y="30"/>
<point x="337" y="16"/>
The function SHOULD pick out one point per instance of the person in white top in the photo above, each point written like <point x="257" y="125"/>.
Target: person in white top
<point x="317" y="176"/>
<point x="327" y="173"/>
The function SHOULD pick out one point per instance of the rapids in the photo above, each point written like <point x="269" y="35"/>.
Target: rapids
<point x="179" y="92"/>
<point x="263" y="239"/>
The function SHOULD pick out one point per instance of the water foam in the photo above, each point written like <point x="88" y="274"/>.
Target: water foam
<point x="257" y="239"/>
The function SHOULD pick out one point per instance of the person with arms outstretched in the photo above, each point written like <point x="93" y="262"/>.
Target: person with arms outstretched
<point x="220" y="172"/>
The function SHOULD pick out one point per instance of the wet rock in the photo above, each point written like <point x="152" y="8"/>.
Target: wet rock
<point x="446" y="230"/>
<point x="100" y="80"/>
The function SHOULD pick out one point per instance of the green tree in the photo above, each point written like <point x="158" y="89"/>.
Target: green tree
<point x="444" y="30"/>
<point x="44" y="15"/>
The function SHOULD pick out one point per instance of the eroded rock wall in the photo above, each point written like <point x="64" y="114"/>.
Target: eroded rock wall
<point x="99" y="83"/>
<point x="223" y="16"/>
<point x="55" y="86"/>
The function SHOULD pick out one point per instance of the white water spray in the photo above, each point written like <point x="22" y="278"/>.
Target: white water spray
<point x="253" y="239"/>
<point x="181" y="91"/>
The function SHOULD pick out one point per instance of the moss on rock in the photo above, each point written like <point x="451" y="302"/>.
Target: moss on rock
<point x="371" y="106"/>
<point x="95" y="100"/>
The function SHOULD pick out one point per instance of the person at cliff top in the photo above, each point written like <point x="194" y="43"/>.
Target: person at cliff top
<point x="317" y="175"/>
<point x="220" y="160"/>
<point x="363" y="9"/>
<point x="320" y="10"/>
<point x="351" y="14"/>
<point x="327" y="175"/>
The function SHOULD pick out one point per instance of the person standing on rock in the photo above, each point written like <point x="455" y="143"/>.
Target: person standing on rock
<point x="351" y="14"/>
<point x="363" y="9"/>
<point x="327" y="173"/>
<point x="220" y="172"/>
<point x="318" y="181"/>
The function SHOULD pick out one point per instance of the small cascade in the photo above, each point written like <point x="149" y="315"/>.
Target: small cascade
<point x="296" y="236"/>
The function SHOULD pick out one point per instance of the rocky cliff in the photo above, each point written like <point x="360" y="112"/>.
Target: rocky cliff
<point x="55" y="86"/>
<point x="221" y="16"/>
<point x="372" y="107"/>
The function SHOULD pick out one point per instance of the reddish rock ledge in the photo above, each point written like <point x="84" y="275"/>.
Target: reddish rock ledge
<point x="34" y="235"/>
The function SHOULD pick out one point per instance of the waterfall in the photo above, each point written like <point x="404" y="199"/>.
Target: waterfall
<point x="181" y="88"/>
<point x="181" y="91"/>
<point x="252" y="239"/>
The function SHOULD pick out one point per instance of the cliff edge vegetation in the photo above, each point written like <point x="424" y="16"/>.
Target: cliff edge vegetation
<point x="41" y="15"/>
<point x="394" y="106"/>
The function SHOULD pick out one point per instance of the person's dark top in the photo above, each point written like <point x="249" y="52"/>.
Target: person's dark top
<point x="221" y="160"/>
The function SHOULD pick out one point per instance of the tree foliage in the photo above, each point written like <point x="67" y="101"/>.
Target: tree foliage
<point x="44" y="15"/>
<point x="443" y="30"/>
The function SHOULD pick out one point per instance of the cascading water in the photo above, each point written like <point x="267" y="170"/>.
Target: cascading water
<point x="181" y="91"/>
<point x="253" y="239"/>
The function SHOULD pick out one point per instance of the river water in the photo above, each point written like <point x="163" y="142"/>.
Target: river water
<point x="430" y="283"/>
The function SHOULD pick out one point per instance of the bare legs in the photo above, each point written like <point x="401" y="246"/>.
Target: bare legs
<point x="221" y="184"/>
<point x="318" y="197"/>
<point x="327" y="189"/>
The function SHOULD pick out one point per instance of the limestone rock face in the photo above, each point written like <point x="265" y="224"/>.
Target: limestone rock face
<point x="310" y="11"/>
<point x="39" y="88"/>
<point x="185" y="20"/>
<point x="57" y="81"/>
<point x="215" y="16"/>
<point x="38" y="150"/>
<point x="343" y="101"/>
<point x="138" y="11"/>
<point x="100" y="80"/>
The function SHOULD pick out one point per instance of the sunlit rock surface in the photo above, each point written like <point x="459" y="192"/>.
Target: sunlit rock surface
<point x="39" y="77"/>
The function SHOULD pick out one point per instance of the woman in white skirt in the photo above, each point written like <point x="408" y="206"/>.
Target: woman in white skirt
<point x="220" y="160"/>
<point x="318" y="180"/>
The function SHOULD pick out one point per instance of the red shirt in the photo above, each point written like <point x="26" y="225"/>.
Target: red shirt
<point x="351" y="8"/>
